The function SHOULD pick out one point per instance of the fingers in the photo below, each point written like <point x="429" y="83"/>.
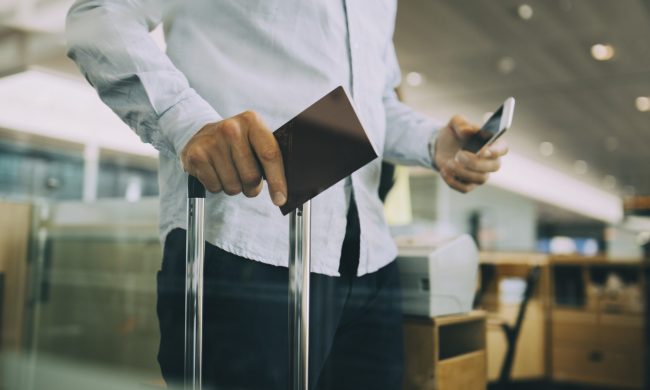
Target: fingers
<point x="249" y="172"/>
<point x="466" y="175"/>
<point x="200" y="167"/>
<point x="225" y="168"/>
<point x="242" y="159"/>
<point x="496" y="150"/>
<point x="267" y="150"/>
<point x="462" y="128"/>
<point x="463" y="170"/>
<point x="222" y="156"/>
<point x="454" y="182"/>
<point x="467" y="170"/>
<point x="480" y="164"/>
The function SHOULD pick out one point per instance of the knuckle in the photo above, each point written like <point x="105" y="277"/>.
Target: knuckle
<point x="232" y="189"/>
<point x="250" y="178"/>
<point x="214" y="188"/>
<point x="471" y="163"/>
<point x="270" y="154"/>
<point x="253" y="192"/>
<point x="193" y="157"/>
<point x="250" y="116"/>
<point x="230" y="129"/>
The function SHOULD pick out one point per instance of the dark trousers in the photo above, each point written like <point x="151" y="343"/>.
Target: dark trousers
<point x="356" y="322"/>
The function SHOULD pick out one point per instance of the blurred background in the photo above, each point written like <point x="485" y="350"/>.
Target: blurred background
<point x="79" y="243"/>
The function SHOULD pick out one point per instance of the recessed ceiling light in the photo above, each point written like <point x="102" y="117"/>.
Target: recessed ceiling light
<point x="546" y="148"/>
<point x="602" y="51"/>
<point x="580" y="167"/>
<point x="609" y="182"/>
<point x="414" y="79"/>
<point x="525" y="11"/>
<point x="506" y="65"/>
<point x="642" y="103"/>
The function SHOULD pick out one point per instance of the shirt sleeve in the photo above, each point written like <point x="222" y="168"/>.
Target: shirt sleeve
<point x="409" y="134"/>
<point x="110" y="42"/>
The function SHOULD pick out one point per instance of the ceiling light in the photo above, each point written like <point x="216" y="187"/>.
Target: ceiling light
<point x="580" y="167"/>
<point x="525" y="11"/>
<point x="546" y="149"/>
<point x="602" y="52"/>
<point x="609" y="182"/>
<point x="643" y="103"/>
<point x="414" y="79"/>
<point x="506" y="65"/>
<point x="576" y="195"/>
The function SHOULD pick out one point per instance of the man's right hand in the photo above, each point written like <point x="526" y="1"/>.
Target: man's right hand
<point x="226" y="156"/>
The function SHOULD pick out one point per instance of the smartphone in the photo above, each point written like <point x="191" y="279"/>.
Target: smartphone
<point x="493" y="128"/>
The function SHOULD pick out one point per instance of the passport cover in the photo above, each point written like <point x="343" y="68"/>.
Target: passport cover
<point x="320" y="146"/>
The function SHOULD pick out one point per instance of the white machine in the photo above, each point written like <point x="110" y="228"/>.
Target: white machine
<point x="439" y="280"/>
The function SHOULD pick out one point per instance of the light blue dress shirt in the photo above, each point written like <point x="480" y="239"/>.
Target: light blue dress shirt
<point x="275" y="57"/>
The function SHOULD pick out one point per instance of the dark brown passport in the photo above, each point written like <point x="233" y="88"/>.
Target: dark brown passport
<point x="320" y="146"/>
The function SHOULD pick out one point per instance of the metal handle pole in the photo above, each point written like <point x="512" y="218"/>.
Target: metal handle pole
<point x="299" y="270"/>
<point x="195" y="246"/>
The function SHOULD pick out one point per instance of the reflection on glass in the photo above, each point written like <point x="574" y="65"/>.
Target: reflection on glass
<point x="90" y="301"/>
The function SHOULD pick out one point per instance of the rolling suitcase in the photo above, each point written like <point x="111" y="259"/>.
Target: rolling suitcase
<point x="299" y="270"/>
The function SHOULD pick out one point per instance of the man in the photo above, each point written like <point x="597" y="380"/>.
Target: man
<point x="233" y="71"/>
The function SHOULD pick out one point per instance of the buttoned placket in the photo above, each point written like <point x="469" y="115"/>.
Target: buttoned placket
<point x="353" y="49"/>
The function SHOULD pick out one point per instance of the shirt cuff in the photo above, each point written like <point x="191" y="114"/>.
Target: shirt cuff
<point x="424" y="135"/>
<point x="432" y="150"/>
<point x="186" y="118"/>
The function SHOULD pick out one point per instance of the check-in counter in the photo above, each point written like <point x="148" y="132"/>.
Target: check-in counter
<point x="531" y="359"/>
<point x="585" y="322"/>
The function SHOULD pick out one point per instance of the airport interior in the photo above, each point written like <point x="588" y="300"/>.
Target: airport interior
<point x="537" y="279"/>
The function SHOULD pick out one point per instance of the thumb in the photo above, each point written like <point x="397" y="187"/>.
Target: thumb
<point x="462" y="128"/>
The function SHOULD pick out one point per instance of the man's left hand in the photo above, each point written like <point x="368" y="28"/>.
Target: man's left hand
<point x="460" y="169"/>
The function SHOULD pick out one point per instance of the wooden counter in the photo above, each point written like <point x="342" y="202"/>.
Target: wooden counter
<point x="445" y="353"/>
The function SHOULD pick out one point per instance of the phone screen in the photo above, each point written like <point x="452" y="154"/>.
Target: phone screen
<point x="483" y="136"/>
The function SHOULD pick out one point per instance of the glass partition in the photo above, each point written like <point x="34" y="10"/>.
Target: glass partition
<point x="90" y="319"/>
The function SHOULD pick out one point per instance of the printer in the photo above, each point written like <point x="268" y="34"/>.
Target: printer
<point x="438" y="279"/>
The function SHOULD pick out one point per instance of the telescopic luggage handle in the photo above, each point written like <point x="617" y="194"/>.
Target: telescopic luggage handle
<point x="195" y="246"/>
<point x="299" y="271"/>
